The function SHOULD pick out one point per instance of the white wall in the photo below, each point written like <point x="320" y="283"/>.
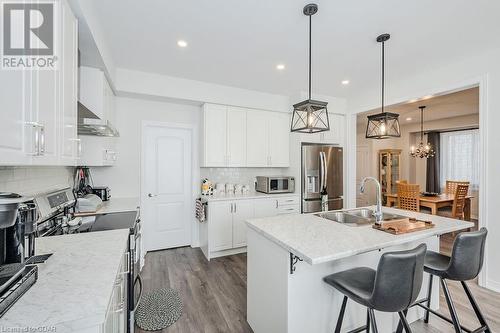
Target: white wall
<point x="34" y="180"/>
<point x="483" y="69"/>
<point x="124" y="177"/>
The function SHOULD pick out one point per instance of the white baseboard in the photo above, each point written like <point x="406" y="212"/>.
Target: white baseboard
<point x="493" y="285"/>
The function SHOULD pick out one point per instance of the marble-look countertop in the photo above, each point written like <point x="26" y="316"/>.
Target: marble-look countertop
<point x="317" y="240"/>
<point x="249" y="195"/>
<point x="119" y="205"/>
<point x="74" y="285"/>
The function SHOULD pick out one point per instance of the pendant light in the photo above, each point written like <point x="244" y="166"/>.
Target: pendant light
<point x="423" y="150"/>
<point x="310" y="116"/>
<point x="385" y="124"/>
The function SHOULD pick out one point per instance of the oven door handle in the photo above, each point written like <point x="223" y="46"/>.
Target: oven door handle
<point x="138" y="279"/>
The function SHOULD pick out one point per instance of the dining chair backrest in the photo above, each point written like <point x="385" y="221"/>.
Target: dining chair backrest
<point x="409" y="196"/>
<point x="457" y="211"/>
<point x="451" y="186"/>
<point x="402" y="181"/>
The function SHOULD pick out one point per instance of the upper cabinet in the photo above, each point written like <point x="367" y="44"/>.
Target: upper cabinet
<point x="38" y="106"/>
<point x="268" y="137"/>
<point x="96" y="94"/>
<point x="239" y="137"/>
<point x="336" y="134"/>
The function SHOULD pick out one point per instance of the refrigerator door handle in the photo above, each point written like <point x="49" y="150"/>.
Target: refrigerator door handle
<point x="322" y="171"/>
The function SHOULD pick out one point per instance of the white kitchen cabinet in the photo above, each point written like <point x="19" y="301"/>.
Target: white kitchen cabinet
<point x="336" y="134"/>
<point x="97" y="150"/>
<point x="94" y="91"/>
<point x="16" y="141"/>
<point x="35" y="110"/>
<point x="225" y="230"/>
<point x="116" y="314"/>
<point x="236" y="137"/>
<point x="214" y="135"/>
<point x="268" y="137"/>
<point x="69" y="142"/>
<point x="224" y="136"/>
<point x="257" y="138"/>
<point x="279" y="139"/>
<point x="221" y="226"/>
<point x="242" y="211"/>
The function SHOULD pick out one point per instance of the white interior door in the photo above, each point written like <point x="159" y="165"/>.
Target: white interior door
<point x="167" y="187"/>
<point x="363" y="165"/>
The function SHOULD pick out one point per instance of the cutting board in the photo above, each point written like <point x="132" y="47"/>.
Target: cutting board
<point x="404" y="226"/>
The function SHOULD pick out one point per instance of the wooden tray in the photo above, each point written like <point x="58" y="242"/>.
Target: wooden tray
<point x="404" y="226"/>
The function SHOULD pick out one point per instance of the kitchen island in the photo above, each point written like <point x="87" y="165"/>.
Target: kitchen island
<point x="288" y="256"/>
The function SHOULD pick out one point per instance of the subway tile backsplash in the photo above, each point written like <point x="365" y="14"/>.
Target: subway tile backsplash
<point x="33" y="180"/>
<point x="239" y="175"/>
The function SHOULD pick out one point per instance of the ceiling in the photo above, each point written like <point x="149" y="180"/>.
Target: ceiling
<point x="461" y="103"/>
<point x="239" y="43"/>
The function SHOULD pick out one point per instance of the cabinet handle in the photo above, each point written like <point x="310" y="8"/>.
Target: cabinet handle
<point x="37" y="127"/>
<point x="42" y="140"/>
<point x="127" y="263"/>
<point x="231" y="207"/>
<point x="276" y="203"/>
<point x="234" y="207"/>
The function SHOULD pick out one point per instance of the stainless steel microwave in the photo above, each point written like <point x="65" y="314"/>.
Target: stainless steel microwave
<point x="278" y="184"/>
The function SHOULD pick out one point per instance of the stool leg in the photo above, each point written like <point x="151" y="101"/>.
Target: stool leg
<point x="429" y="294"/>
<point x="400" y="324"/>
<point x="341" y="315"/>
<point x="402" y="317"/>
<point x="451" y="307"/>
<point x="367" y="320"/>
<point x="477" y="311"/>
<point x="372" y="320"/>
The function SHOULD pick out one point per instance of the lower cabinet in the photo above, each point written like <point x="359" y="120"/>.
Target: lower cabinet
<point x="225" y="230"/>
<point x="116" y="315"/>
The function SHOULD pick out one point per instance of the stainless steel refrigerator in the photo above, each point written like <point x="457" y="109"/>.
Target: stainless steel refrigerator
<point x="322" y="177"/>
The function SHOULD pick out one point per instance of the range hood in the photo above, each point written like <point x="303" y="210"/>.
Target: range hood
<point x="90" y="124"/>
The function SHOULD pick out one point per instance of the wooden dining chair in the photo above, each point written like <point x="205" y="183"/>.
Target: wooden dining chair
<point x="402" y="181"/>
<point x="458" y="208"/>
<point x="409" y="196"/>
<point x="451" y="186"/>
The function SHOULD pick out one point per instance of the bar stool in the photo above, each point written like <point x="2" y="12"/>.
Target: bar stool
<point x="464" y="264"/>
<point x="393" y="287"/>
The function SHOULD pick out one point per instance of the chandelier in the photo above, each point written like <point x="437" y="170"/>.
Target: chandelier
<point x="423" y="150"/>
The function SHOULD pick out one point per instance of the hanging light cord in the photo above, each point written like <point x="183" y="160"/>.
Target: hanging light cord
<point x="421" y="125"/>
<point x="383" y="74"/>
<point x="310" y="29"/>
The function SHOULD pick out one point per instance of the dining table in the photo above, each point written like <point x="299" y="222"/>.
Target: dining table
<point x="434" y="202"/>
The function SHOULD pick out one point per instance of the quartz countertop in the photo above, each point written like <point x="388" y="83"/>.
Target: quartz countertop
<point x="118" y="205"/>
<point x="74" y="285"/>
<point x="317" y="240"/>
<point x="249" y="195"/>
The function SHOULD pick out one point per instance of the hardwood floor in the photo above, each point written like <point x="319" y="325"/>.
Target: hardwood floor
<point x="214" y="294"/>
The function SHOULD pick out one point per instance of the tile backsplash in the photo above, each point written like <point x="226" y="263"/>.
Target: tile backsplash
<point x="33" y="180"/>
<point x="239" y="175"/>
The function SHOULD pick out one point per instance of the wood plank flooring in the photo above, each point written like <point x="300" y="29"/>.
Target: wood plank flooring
<point x="214" y="294"/>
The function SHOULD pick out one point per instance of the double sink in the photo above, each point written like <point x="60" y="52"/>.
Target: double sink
<point x="356" y="217"/>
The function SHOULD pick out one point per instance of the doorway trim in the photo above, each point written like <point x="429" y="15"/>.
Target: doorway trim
<point x="195" y="168"/>
<point x="480" y="81"/>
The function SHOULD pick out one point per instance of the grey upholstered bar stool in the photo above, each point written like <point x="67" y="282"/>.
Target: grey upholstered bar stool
<point x="464" y="264"/>
<point x="393" y="287"/>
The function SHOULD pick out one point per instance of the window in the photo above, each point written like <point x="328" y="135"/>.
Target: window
<point x="459" y="158"/>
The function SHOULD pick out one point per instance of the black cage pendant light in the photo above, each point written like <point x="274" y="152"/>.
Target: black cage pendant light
<point x="385" y="124"/>
<point x="423" y="150"/>
<point x="310" y="116"/>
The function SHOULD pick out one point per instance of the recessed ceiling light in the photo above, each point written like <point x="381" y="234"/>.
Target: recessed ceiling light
<point x="408" y="119"/>
<point x="280" y="67"/>
<point x="345" y="82"/>
<point x="182" y="43"/>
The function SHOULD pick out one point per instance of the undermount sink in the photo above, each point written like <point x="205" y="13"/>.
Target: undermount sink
<point x="356" y="217"/>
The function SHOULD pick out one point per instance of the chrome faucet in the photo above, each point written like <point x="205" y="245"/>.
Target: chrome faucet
<point x="378" y="211"/>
